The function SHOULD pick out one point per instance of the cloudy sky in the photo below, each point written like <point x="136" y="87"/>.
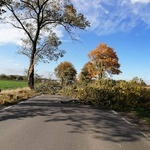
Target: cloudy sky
<point x="123" y="25"/>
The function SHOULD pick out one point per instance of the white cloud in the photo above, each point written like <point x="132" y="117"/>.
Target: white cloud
<point x="12" y="71"/>
<point x="140" y="1"/>
<point x="10" y="60"/>
<point x="59" y="31"/>
<point x="9" y="34"/>
<point x="106" y="17"/>
<point x="17" y="65"/>
<point x="11" y="65"/>
<point x="111" y="16"/>
<point x="48" y="75"/>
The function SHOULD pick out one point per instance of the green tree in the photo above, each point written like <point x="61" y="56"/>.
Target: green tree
<point x="3" y="76"/>
<point x="65" y="71"/>
<point x="11" y="77"/>
<point x="38" y="18"/>
<point x="19" y="77"/>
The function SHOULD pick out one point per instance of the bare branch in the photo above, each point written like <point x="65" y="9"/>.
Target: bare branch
<point x="19" y="21"/>
<point x="29" y="5"/>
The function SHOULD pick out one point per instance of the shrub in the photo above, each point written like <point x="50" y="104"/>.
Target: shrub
<point x="47" y="88"/>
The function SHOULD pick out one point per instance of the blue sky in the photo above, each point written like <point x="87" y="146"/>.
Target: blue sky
<point x="123" y="25"/>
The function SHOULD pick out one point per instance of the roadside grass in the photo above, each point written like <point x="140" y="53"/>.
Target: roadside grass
<point x="14" y="91"/>
<point x="10" y="84"/>
<point x="9" y="97"/>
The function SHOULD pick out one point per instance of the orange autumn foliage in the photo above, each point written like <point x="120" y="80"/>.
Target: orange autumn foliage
<point x="65" y="71"/>
<point x="87" y="72"/>
<point x="104" y="61"/>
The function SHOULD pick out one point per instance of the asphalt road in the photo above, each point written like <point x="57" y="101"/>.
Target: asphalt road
<point x="42" y="123"/>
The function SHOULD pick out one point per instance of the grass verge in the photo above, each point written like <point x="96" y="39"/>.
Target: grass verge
<point x="8" y="97"/>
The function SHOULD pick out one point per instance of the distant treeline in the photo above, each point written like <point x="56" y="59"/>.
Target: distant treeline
<point x="37" y="78"/>
<point x="12" y="77"/>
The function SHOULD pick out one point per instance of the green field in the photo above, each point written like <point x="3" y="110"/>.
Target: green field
<point x="9" y="84"/>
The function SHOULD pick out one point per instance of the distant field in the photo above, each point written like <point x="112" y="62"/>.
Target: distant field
<point x="9" y="84"/>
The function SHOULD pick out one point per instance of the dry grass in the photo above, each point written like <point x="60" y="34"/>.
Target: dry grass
<point x="14" y="96"/>
<point x="147" y="87"/>
<point x="15" y="91"/>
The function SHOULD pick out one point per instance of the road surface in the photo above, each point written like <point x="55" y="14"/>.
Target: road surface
<point x="42" y="123"/>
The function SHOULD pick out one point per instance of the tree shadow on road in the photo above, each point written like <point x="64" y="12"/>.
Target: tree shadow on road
<point x="80" y="119"/>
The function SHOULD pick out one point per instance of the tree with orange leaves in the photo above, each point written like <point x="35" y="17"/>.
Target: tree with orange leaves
<point x="104" y="60"/>
<point x="87" y="72"/>
<point x="65" y="71"/>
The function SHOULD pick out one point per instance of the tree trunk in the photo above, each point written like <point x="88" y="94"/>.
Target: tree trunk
<point x="31" y="68"/>
<point x="31" y="77"/>
<point x="31" y="72"/>
<point x="62" y="81"/>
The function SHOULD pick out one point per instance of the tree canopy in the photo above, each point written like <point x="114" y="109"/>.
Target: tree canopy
<point x="65" y="71"/>
<point x="87" y="72"/>
<point x="38" y="18"/>
<point x="104" y="60"/>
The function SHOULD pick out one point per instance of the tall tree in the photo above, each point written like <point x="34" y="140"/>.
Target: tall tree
<point x="38" y="18"/>
<point x="104" y="60"/>
<point x="65" y="71"/>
